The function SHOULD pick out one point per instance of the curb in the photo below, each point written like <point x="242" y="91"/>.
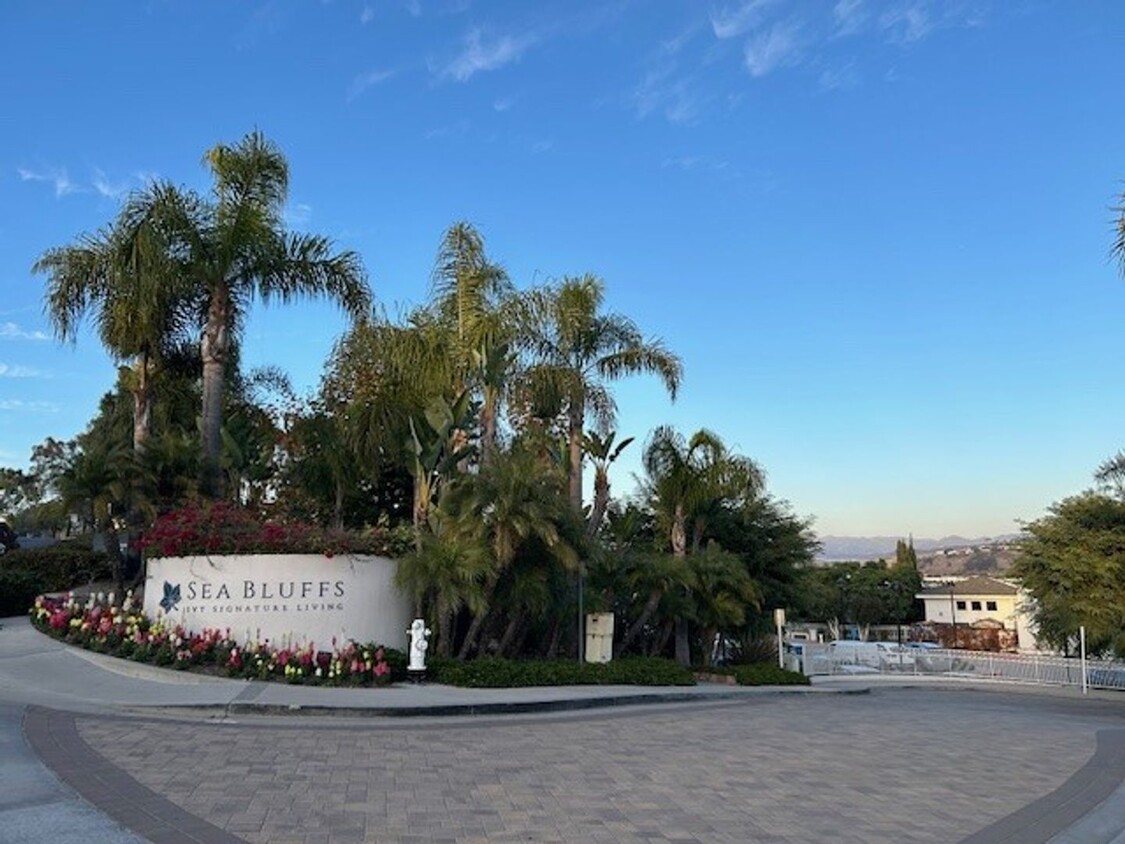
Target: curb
<point x="477" y="709"/>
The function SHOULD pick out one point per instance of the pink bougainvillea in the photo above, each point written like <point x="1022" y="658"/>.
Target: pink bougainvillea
<point x="225" y="528"/>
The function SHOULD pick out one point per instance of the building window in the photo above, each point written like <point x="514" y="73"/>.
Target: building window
<point x="976" y="605"/>
<point x="960" y="605"/>
<point x="990" y="605"/>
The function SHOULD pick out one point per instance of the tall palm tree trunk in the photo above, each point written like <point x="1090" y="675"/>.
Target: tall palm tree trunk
<point x="679" y="549"/>
<point x="577" y="417"/>
<point x="678" y="535"/>
<point x="683" y="642"/>
<point x="661" y="641"/>
<point x="421" y="509"/>
<point x="601" y="503"/>
<point x="142" y="427"/>
<point x="445" y="629"/>
<point x="214" y="348"/>
<point x="552" y="649"/>
<point x="488" y="428"/>
<point x="473" y="633"/>
<point x="637" y="626"/>
<point x="142" y="406"/>
<point x="514" y="625"/>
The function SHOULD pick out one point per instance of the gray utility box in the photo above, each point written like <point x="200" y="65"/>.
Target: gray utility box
<point x="599" y="637"/>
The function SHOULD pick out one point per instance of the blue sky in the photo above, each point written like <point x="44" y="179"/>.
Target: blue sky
<point x="877" y="232"/>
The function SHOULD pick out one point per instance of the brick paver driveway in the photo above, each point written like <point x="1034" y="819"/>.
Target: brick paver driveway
<point x="906" y="765"/>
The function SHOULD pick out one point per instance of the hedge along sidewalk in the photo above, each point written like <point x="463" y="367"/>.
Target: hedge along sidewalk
<point x="35" y="668"/>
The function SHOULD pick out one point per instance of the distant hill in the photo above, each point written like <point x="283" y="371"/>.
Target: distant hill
<point x="986" y="557"/>
<point x="837" y="548"/>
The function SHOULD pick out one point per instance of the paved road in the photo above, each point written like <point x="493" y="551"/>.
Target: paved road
<point x="895" y="766"/>
<point x="922" y="764"/>
<point x="35" y="806"/>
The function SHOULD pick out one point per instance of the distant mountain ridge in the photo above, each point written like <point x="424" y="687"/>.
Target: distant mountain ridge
<point x="874" y="547"/>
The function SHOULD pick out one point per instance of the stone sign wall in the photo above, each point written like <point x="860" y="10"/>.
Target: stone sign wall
<point x="287" y="598"/>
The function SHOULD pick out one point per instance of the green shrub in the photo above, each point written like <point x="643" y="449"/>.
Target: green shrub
<point x="18" y="590"/>
<point x="768" y="674"/>
<point x="59" y="567"/>
<point x="494" y="673"/>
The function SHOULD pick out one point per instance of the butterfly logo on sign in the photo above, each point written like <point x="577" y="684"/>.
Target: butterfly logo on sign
<point x="171" y="596"/>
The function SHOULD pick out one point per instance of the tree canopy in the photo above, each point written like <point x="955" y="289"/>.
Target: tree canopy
<point x="463" y="425"/>
<point x="1072" y="562"/>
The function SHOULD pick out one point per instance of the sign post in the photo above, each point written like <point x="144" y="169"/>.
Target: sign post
<point x="1082" y="657"/>
<point x="779" y="621"/>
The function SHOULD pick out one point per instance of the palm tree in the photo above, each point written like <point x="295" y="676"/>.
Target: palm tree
<point x="575" y="350"/>
<point x="510" y="503"/>
<point x="654" y="576"/>
<point x="444" y="577"/>
<point x="721" y="589"/>
<point x="233" y="249"/>
<point x="123" y="276"/>
<point x="381" y="377"/>
<point x="472" y="299"/>
<point x="603" y="453"/>
<point x="687" y="481"/>
<point x="467" y="290"/>
<point x="93" y="485"/>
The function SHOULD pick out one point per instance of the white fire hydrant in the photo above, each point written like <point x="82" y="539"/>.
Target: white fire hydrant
<point x="419" y="636"/>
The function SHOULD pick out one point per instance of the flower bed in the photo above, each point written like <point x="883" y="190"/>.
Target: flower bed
<point x="123" y="631"/>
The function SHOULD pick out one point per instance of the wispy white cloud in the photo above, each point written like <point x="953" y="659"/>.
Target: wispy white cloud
<point x="458" y="129"/>
<point x="732" y="22"/>
<point x="366" y="16"/>
<point x="663" y="92"/>
<point x="675" y="44"/>
<point x="839" y="78"/>
<point x="12" y="331"/>
<point x="850" y="16"/>
<point x="100" y="183"/>
<point x="483" y="51"/>
<point x="413" y="8"/>
<point x="106" y="188"/>
<point x="10" y="371"/>
<point x="778" y="46"/>
<point x="907" y="23"/>
<point x="55" y="176"/>
<point x="503" y="104"/>
<point x="29" y="406"/>
<point x="690" y="163"/>
<point x="298" y="214"/>
<point x="367" y="80"/>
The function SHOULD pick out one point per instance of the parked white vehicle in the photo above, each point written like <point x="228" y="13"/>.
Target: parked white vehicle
<point x="882" y="656"/>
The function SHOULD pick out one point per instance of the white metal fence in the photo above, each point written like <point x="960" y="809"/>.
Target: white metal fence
<point x="822" y="658"/>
